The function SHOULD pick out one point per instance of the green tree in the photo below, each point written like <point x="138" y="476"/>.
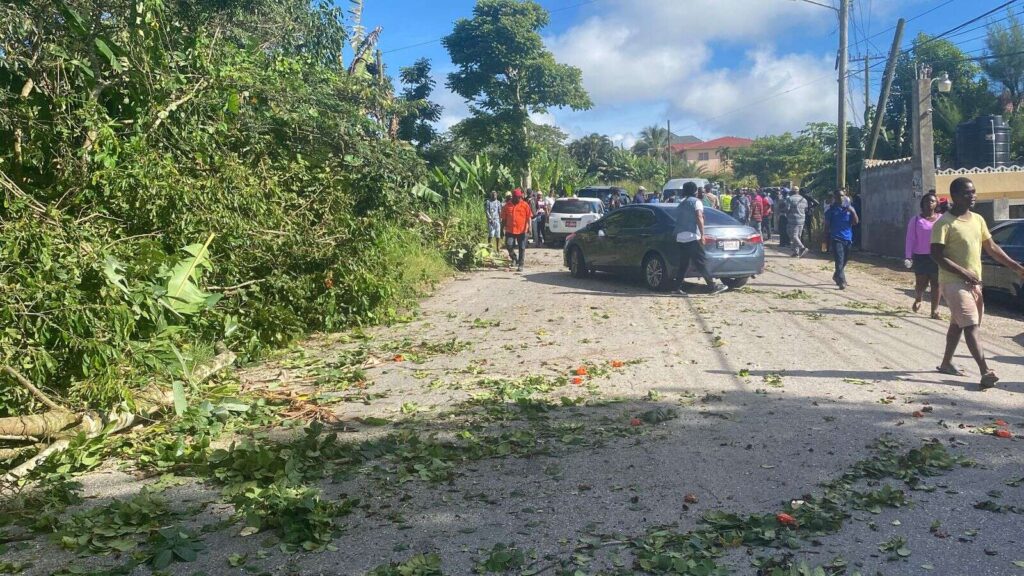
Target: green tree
<point x="969" y="98"/>
<point x="1005" y="46"/>
<point x="772" y="159"/>
<point x="417" y="124"/>
<point x="505" y="73"/>
<point x="591" y="152"/>
<point x="653" y="141"/>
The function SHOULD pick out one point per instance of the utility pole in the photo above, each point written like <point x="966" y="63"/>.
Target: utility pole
<point x="883" y="97"/>
<point x="924" y="139"/>
<point x="844" y="16"/>
<point x="669" y="151"/>
<point x="867" y="90"/>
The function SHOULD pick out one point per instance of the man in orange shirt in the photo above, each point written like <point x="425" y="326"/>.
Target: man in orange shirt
<point x="516" y="216"/>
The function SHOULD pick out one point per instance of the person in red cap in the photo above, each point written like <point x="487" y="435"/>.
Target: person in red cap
<point x="516" y="216"/>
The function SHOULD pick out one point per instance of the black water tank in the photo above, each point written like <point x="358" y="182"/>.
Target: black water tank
<point x="983" y="141"/>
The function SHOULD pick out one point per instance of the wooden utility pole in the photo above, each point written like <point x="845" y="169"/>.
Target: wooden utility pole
<point x="669" y="151"/>
<point x="844" y="16"/>
<point x="883" y="96"/>
<point x="867" y="90"/>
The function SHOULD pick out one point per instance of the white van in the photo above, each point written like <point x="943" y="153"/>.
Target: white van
<point x="675" y="186"/>
<point x="569" y="215"/>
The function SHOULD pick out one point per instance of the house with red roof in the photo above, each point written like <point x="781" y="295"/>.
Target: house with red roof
<point x="710" y="154"/>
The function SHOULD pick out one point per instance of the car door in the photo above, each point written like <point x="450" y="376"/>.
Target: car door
<point x="1009" y="237"/>
<point x="636" y="239"/>
<point x="607" y="230"/>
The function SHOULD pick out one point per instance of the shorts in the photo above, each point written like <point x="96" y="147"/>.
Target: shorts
<point x="925" y="265"/>
<point x="494" y="230"/>
<point x="966" y="305"/>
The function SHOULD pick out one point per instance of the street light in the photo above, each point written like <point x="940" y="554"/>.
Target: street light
<point x="945" y="84"/>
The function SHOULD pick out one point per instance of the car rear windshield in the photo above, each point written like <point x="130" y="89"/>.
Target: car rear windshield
<point x="574" y="207"/>
<point x="711" y="217"/>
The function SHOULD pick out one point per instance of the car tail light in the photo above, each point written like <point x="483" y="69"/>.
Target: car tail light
<point x="755" y="239"/>
<point x="710" y="240"/>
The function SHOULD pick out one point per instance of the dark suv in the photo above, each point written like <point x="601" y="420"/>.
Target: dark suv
<point x="605" y="193"/>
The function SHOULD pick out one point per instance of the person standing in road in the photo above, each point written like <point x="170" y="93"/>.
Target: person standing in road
<point x="710" y="199"/>
<point x="756" y="211"/>
<point x="796" y="214"/>
<point x="493" y="209"/>
<point x="958" y="238"/>
<point x="726" y="201"/>
<point x="516" y="217"/>
<point x="689" y="215"/>
<point x="540" y="218"/>
<point x="641" y="195"/>
<point x="782" y="217"/>
<point x="741" y="207"/>
<point x="840" y="218"/>
<point x="918" y="253"/>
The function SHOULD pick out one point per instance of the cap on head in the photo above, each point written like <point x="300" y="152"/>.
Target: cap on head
<point x="641" y="189"/>
<point x="517" y="193"/>
<point x="508" y="194"/>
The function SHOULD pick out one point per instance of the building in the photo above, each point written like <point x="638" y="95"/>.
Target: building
<point x="709" y="154"/>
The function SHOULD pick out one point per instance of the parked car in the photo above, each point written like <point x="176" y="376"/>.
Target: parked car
<point x="674" y="187"/>
<point x="604" y="193"/>
<point x="1009" y="235"/>
<point x="640" y="239"/>
<point x="570" y="215"/>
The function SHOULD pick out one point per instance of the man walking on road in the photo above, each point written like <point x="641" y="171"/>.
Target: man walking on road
<point x="957" y="241"/>
<point x="493" y="209"/>
<point x="796" y="212"/>
<point x="516" y="217"/>
<point x="689" y="230"/>
<point x="840" y="218"/>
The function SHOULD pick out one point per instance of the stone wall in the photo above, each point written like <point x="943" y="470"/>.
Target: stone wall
<point x="888" y="201"/>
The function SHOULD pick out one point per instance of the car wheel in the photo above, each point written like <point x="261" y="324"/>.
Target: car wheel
<point x="734" y="283"/>
<point x="577" y="264"/>
<point x="655" y="273"/>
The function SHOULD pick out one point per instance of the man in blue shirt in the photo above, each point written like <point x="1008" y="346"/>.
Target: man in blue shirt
<point x="840" y="218"/>
<point x="689" y="215"/>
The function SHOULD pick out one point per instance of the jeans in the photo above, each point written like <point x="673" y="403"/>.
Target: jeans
<point x="783" y="231"/>
<point x="795" y="233"/>
<point x="512" y="241"/>
<point x="693" y="253"/>
<point x="538" y="228"/>
<point x="840" y="253"/>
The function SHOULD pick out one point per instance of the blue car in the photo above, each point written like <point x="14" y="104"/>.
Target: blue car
<point x="640" y="239"/>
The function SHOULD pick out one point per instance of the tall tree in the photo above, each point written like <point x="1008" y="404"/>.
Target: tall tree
<point x="653" y="141"/>
<point x="506" y="73"/>
<point x="592" y="152"/>
<point x="417" y="124"/>
<point x="1005" y="44"/>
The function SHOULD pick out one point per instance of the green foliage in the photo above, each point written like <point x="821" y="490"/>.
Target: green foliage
<point x="417" y="124"/>
<point x="298" y="514"/>
<point x="173" y="544"/>
<point x="117" y="527"/>
<point x="500" y="559"/>
<point x="131" y="144"/>
<point x="421" y="565"/>
<point x="506" y="73"/>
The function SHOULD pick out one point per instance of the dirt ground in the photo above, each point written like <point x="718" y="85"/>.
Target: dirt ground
<point x="776" y="388"/>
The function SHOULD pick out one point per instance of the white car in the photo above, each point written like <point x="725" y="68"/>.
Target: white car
<point x="571" y="214"/>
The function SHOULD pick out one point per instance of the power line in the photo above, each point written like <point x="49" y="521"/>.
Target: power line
<point x="958" y="27"/>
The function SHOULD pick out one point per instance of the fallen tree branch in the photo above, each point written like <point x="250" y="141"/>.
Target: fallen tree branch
<point x="31" y="388"/>
<point x="64" y="425"/>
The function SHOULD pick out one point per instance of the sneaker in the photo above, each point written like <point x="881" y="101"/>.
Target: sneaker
<point x="519" y="268"/>
<point x="717" y="288"/>
<point x="682" y="292"/>
<point x="803" y="251"/>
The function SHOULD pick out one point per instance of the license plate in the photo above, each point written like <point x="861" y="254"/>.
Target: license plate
<point x="570" y="223"/>
<point x="731" y="245"/>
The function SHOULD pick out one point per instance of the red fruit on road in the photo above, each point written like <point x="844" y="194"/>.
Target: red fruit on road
<point x="399" y="358"/>
<point x="577" y="381"/>
<point x="635" y="422"/>
<point x="618" y="364"/>
<point x="1004" y="433"/>
<point x="581" y="371"/>
<point x="690" y="498"/>
<point x="1001" y="422"/>
<point x="785" y="519"/>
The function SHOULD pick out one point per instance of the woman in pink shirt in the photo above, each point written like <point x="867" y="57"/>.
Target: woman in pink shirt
<point x="918" y="253"/>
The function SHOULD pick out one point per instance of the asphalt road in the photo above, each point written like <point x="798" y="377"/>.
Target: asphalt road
<point x="779" y="387"/>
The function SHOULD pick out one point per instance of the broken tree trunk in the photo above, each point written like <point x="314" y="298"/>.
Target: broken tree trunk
<point x="62" y="426"/>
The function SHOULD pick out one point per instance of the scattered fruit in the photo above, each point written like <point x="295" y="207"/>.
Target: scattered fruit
<point x="1002" y="423"/>
<point x="1004" y="433"/>
<point x="577" y="381"/>
<point x="690" y="498"/>
<point x="399" y="358"/>
<point x="635" y="422"/>
<point x="618" y="363"/>
<point x="785" y="519"/>
<point x="581" y="371"/>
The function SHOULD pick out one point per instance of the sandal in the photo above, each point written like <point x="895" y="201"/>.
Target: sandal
<point x="950" y="370"/>
<point x="989" y="380"/>
<point x="916" y="307"/>
<point x="936" y="316"/>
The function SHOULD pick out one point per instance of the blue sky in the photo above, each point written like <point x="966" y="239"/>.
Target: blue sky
<point x="712" y="67"/>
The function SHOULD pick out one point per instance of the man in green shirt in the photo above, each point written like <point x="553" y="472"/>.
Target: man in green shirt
<point x="957" y="241"/>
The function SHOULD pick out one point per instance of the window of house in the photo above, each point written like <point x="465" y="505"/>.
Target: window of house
<point x="703" y="156"/>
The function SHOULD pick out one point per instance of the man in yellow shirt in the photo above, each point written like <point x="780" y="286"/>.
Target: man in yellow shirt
<point x="957" y="241"/>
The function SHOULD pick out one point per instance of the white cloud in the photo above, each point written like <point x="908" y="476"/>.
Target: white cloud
<point x="656" y="54"/>
<point x="454" y="106"/>
<point x="624" y="140"/>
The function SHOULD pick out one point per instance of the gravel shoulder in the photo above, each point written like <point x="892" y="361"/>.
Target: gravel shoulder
<point x="777" y="387"/>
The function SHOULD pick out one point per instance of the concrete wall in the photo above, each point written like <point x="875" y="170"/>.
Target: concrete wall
<point x="888" y="201"/>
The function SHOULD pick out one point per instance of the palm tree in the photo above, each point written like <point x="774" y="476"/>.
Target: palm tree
<point x="686" y="169"/>
<point x="654" y="141"/>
